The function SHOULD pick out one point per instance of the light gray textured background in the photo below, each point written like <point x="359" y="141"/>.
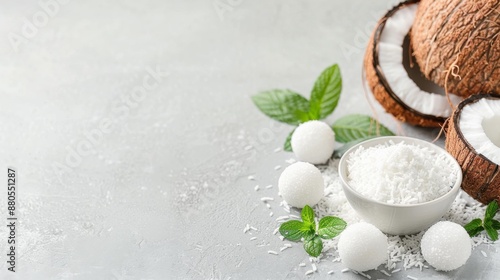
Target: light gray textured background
<point x="163" y="193"/>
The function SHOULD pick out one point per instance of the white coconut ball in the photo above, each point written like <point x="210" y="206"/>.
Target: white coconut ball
<point x="301" y="184"/>
<point x="313" y="141"/>
<point x="363" y="247"/>
<point x="446" y="246"/>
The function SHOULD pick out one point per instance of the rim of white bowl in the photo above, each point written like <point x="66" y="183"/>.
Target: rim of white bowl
<point x="343" y="165"/>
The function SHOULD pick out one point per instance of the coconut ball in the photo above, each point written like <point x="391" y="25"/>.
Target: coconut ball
<point x="362" y="247"/>
<point x="301" y="184"/>
<point x="446" y="246"/>
<point x="313" y="141"/>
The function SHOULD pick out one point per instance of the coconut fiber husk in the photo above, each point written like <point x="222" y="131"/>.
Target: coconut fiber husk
<point x="459" y="38"/>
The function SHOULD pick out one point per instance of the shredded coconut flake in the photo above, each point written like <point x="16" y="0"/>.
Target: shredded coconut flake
<point x="247" y="228"/>
<point x="403" y="251"/>
<point x="400" y="173"/>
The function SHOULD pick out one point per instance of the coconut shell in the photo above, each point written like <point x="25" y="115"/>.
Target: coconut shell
<point x="381" y="88"/>
<point x="481" y="177"/>
<point x="464" y="33"/>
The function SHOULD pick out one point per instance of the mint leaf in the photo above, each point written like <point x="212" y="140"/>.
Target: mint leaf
<point x="307" y="215"/>
<point x="282" y="105"/>
<point x="310" y="234"/>
<point x="325" y="94"/>
<point x="313" y="246"/>
<point x="475" y="231"/>
<point x="288" y="142"/>
<point x="474" y="227"/>
<point x="356" y="126"/>
<point x="495" y="224"/>
<point x="492" y="233"/>
<point x="292" y="230"/>
<point x="329" y="227"/>
<point x="491" y="210"/>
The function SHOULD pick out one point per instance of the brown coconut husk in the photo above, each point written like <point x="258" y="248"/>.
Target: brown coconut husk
<point x="481" y="177"/>
<point x="459" y="35"/>
<point x="380" y="87"/>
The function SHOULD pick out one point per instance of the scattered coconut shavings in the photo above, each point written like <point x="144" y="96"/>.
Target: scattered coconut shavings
<point x="251" y="178"/>
<point x="484" y="254"/>
<point x="363" y="274"/>
<point x="247" y="228"/>
<point x="330" y="272"/>
<point x="403" y="251"/>
<point x="280" y="218"/>
<point x="385" y="272"/>
<point x="256" y="188"/>
<point x="345" y="270"/>
<point x="277" y="150"/>
<point x="309" y="272"/>
<point x="253" y="238"/>
<point x="272" y="252"/>
<point x="411" y="277"/>
<point x="269" y="186"/>
<point x="277" y="167"/>
<point x="249" y="147"/>
<point x="314" y="268"/>
<point x="266" y="199"/>
<point x="290" y="161"/>
<point x="271" y="214"/>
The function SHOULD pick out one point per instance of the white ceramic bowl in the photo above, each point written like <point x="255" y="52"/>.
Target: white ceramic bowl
<point x="399" y="219"/>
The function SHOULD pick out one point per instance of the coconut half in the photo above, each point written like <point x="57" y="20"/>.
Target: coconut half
<point x="473" y="138"/>
<point x="461" y="36"/>
<point x="388" y="78"/>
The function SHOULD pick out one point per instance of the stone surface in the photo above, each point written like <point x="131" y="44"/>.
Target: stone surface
<point x="131" y="126"/>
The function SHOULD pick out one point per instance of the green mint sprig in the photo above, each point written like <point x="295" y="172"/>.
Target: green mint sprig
<point x="489" y="224"/>
<point x="328" y="228"/>
<point x="292" y="108"/>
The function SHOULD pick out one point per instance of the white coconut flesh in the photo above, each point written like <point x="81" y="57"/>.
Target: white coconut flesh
<point x="480" y="126"/>
<point x="391" y="62"/>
